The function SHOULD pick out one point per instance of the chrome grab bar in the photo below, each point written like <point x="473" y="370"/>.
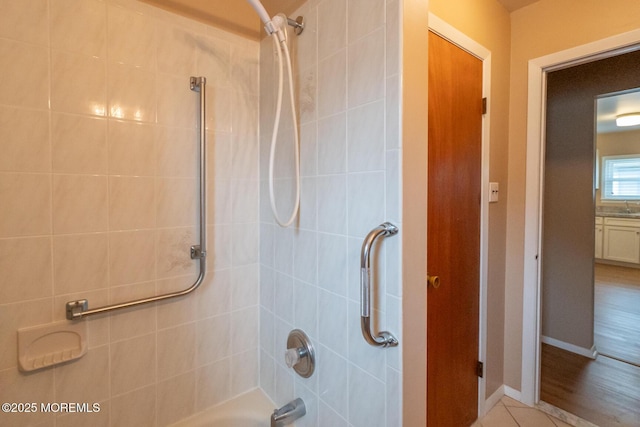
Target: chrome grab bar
<point x="80" y="308"/>
<point x="384" y="338"/>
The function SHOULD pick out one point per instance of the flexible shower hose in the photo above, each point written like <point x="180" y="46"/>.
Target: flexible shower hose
<point x="274" y="135"/>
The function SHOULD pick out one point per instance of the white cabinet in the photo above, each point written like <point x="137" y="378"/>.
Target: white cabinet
<point x="599" y="237"/>
<point x="621" y="240"/>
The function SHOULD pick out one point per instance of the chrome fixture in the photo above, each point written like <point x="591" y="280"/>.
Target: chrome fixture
<point x="384" y="338"/>
<point x="80" y="308"/>
<point x="297" y="24"/>
<point x="300" y="354"/>
<point x="288" y="413"/>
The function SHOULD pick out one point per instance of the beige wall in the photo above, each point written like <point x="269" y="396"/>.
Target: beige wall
<point x="487" y="22"/>
<point x="542" y="28"/>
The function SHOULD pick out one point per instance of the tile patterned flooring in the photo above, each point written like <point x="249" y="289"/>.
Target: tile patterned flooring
<point x="511" y="413"/>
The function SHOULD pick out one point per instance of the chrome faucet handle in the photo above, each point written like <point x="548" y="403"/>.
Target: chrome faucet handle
<point x="300" y="354"/>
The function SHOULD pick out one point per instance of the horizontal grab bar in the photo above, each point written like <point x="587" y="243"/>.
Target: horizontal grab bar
<point x="80" y="308"/>
<point x="384" y="338"/>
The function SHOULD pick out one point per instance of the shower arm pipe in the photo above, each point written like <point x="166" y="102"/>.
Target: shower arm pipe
<point x="80" y="308"/>
<point x="384" y="338"/>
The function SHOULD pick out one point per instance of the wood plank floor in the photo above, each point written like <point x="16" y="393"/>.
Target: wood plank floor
<point x="604" y="391"/>
<point x="617" y="312"/>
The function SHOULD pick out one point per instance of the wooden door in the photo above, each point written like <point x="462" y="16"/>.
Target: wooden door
<point x="453" y="233"/>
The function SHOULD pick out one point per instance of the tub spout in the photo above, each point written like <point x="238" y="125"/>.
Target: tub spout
<point x="288" y="413"/>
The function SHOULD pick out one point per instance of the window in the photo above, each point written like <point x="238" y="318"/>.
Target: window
<point x="621" y="177"/>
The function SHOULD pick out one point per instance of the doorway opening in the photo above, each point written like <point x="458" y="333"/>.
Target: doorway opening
<point x="539" y="243"/>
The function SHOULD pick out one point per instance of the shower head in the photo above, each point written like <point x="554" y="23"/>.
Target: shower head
<point x="273" y="25"/>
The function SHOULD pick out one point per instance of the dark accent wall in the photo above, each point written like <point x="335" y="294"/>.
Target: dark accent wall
<point x="569" y="206"/>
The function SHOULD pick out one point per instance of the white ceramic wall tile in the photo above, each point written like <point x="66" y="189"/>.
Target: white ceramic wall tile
<point x="176" y="51"/>
<point x="365" y="136"/>
<point x="245" y="329"/>
<point x="131" y="37"/>
<point x="310" y="397"/>
<point x="18" y="269"/>
<point x="17" y="387"/>
<point x="267" y="331"/>
<point x="221" y="244"/>
<point x="333" y="381"/>
<point x="80" y="203"/>
<point x="244" y="371"/>
<point x="392" y="42"/>
<point x="133" y="363"/>
<point x="328" y="417"/>
<point x="332" y="263"/>
<point x="25" y="204"/>
<point x="131" y="93"/>
<point x="305" y="256"/>
<point x="284" y="297"/>
<point x="134" y="409"/>
<point x="214" y="294"/>
<point x="78" y="144"/>
<point x="305" y="312"/>
<point x="306" y="45"/>
<point x="365" y="62"/>
<point x="107" y="172"/>
<point x="392" y="113"/>
<point x="213" y="383"/>
<point x="366" y="399"/>
<point x="394" y="397"/>
<point x="245" y="284"/>
<point x="365" y="202"/>
<point x="332" y="84"/>
<point x="79" y="26"/>
<point x="360" y="23"/>
<point x="284" y="386"/>
<point x="176" y="398"/>
<point x="134" y="321"/>
<point x="25" y="21"/>
<point x="309" y="149"/>
<point x="213" y="339"/>
<point x="307" y="94"/>
<point x="332" y="204"/>
<point x="80" y="262"/>
<point x="24" y="140"/>
<point x="333" y="329"/>
<point x="393" y="324"/>
<point x="267" y="374"/>
<point x="176" y="350"/>
<point x="332" y="144"/>
<point x="24" y="62"/>
<point x="308" y="214"/>
<point x="131" y="148"/>
<point x="78" y="84"/>
<point x="332" y="27"/>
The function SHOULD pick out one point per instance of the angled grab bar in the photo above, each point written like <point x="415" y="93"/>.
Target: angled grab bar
<point x="384" y="338"/>
<point x="80" y="308"/>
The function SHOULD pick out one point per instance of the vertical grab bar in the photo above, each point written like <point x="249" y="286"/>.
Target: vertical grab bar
<point x="80" y="308"/>
<point x="384" y="338"/>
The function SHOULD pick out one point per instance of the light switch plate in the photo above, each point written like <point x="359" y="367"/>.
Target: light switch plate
<point x="493" y="192"/>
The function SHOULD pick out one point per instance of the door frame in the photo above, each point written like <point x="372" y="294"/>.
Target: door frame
<point x="536" y="119"/>
<point x="453" y="35"/>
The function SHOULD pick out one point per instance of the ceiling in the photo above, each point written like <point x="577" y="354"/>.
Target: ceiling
<point x="611" y="106"/>
<point x="512" y="5"/>
<point x="237" y="15"/>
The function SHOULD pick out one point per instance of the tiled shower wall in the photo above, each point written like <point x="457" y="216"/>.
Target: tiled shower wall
<point x="347" y="66"/>
<point x="98" y="155"/>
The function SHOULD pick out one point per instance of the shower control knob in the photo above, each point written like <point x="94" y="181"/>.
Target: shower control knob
<point x="292" y="356"/>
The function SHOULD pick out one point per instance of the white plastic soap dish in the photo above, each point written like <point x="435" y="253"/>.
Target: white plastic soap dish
<point x="51" y="344"/>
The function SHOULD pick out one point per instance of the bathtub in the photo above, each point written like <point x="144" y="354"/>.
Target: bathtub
<point x="252" y="409"/>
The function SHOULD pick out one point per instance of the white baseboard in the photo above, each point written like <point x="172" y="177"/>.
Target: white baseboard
<point x="493" y="399"/>
<point x="591" y="353"/>
<point x="513" y="393"/>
